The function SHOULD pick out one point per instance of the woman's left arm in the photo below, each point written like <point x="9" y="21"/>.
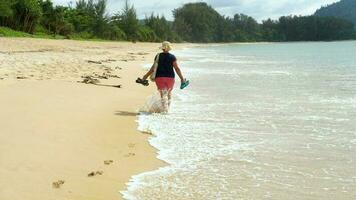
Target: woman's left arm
<point x="177" y="69"/>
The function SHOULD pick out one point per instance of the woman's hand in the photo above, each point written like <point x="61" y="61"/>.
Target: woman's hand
<point x="182" y="80"/>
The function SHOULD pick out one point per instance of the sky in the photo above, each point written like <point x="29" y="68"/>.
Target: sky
<point x="259" y="9"/>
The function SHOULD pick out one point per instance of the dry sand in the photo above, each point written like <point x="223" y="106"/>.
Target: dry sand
<point x="54" y="131"/>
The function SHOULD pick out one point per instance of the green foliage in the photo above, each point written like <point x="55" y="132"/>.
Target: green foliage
<point x="196" y="22"/>
<point x="225" y="30"/>
<point x="113" y="32"/>
<point x="25" y="16"/>
<point x="345" y="9"/>
<point x="313" y="28"/>
<point x="82" y="35"/>
<point x="40" y="33"/>
<point x="182" y="28"/>
<point x="8" y="32"/>
<point x="127" y="21"/>
<point x="55" y="19"/>
<point x="100" y="20"/>
<point x="80" y="19"/>
<point x="248" y="28"/>
<point x="199" y="22"/>
<point x="41" y="30"/>
<point x="58" y="22"/>
<point x="146" y="34"/>
<point x="270" y="31"/>
<point x="162" y="28"/>
<point x="5" y="8"/>
<point x="47" y="12"/>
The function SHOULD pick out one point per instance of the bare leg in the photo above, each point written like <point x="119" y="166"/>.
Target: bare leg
<point x="161" y="92"/>
<point x="164" y="102"/>
<point x="169" y="97"/>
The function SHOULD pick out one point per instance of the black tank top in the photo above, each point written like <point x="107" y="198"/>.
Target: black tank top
<point x="165" y="65"/>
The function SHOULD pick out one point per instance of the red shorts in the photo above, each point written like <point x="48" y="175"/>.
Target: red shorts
<point x="164" y="83"/>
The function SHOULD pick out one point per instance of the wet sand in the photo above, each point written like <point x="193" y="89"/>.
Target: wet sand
<point x="62" y="137"/>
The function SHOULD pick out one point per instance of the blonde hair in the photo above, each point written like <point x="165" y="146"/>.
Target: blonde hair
<point x="166" y="46"/>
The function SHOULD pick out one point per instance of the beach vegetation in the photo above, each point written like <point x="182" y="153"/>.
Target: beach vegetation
<point x="127" y="21"/>
<point x="200" y="19"/>
<point x="8" y="32"/>
<point x="161" y="27"/>
<point x="20" y="15"/>
<point x="193" y="22"/>
<point x="146" y="34"/>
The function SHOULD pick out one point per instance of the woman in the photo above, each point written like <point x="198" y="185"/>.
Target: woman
<point x="167" y="64"/>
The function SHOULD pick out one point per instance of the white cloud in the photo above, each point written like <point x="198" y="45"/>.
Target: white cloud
<point x="259" y="9"/>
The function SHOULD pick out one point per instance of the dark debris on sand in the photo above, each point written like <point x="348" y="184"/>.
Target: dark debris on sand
<point x="107" y="73"/>
<point x="91" y="174"/>
<point x="95" y="81"/>
<point x="89" y="80"/>
<point x="58" y="184"/>
<point x="95" y="62"/>
<point x="99" y="62"/>
<point x="108" y="162"/>
<point x="21" y="77"/>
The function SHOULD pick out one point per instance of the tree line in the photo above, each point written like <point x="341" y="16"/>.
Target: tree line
<point x="199" y="22"/>
<point x="87" y="19"/>
<point x="193" y="22"/>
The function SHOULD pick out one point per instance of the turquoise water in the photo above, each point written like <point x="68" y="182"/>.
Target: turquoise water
<point x="259" y="121"/>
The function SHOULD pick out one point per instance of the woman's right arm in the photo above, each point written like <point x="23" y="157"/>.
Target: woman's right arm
<point x="148" y="73"/>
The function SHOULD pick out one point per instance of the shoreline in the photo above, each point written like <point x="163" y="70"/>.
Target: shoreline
<point x="58" y="132"/>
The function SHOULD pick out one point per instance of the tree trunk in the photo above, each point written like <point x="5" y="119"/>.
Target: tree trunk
<point x="55" y="29"/>
<point x="31" y="28"/>
<point x="26" y="23"/>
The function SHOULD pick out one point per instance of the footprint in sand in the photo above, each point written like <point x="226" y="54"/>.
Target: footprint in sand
<point x="91" y="174"/>
<point x="108" y="162"/>
<point x="130" y="155"/>
<point x="142" y="53"/>
<point x="58" y="184"/>
<point x="131" y="145"/>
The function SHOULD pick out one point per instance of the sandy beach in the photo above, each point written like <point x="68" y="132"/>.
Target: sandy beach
<point x="63" y="139"/>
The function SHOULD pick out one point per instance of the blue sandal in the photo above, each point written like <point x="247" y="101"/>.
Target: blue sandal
<point x="184" y="84"/>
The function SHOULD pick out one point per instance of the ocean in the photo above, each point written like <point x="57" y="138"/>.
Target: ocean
<point x="259" y="121"/>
